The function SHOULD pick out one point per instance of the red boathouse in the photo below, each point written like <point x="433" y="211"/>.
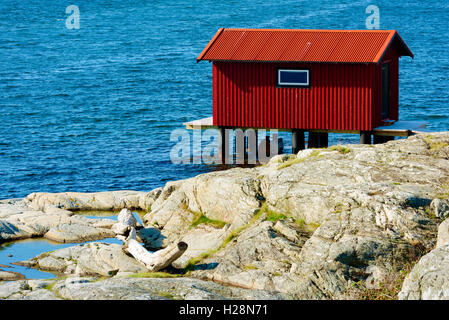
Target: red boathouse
<point x="318" y="81"/>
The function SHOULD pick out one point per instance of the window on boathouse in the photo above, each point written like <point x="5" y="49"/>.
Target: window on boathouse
<point x="293" y="78"/>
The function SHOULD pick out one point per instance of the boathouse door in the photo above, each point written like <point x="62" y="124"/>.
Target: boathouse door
<point x="386" y="91"/>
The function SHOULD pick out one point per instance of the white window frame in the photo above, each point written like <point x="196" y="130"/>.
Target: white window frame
<point x="293" y="84"/>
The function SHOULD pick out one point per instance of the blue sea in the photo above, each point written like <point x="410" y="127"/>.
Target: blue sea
<point x="92" y="109"/>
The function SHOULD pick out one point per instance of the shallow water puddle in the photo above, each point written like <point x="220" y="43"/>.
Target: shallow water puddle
<point x="29" y="248"/>
<point x="26" y="249"/>
<point x="138" y="214"/>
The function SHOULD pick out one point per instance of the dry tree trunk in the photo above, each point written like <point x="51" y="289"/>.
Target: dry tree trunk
<point x="157" y="260"/>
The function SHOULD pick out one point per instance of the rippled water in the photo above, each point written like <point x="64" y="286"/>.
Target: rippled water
<point x="92" y="109"/>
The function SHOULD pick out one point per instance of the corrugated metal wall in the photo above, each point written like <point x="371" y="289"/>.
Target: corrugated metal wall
<point x="341" y="96"/>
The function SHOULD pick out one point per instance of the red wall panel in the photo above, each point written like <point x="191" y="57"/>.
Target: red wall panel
<point x="340" y="97"/>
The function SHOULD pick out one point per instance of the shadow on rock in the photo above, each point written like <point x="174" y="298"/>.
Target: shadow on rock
<point x="206" y="266"/>
<point x="152" y="238"/>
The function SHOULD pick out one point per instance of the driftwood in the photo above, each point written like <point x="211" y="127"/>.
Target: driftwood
<point x="154" y="261"/>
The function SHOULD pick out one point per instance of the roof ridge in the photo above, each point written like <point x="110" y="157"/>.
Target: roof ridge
<point x="360" y="46"/>
<point x="211" y="42"/>
<point x="384" y="47"/>
<point x="312" y="30"/>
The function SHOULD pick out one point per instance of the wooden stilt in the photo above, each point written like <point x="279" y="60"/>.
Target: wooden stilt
<point x="223" y="145"/>
<point x="313" y="140"/>
<point x="318" y="140"/>
<point x="323" y="139"/>
<point x="251" y="146"/>
<point x="240" y="146"/>
<point x="377" y="139"/>
<point x="365" y="137"/>
<point x="264" y="150"/>
<point x="297" y="141"/>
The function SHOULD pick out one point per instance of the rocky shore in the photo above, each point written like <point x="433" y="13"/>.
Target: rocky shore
<point x="346" y="222"/>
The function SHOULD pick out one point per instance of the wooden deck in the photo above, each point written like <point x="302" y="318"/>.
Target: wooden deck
<point x="205" y="123"/>
<point x="399" y="128"/>
<point x="402" y="128"/>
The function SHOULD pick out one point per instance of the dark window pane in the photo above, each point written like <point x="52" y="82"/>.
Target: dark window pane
<point x="293" y="77"/>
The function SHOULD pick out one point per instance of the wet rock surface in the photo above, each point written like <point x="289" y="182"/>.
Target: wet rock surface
<point x="10" y="275"/>
<point x="55" y="224"/>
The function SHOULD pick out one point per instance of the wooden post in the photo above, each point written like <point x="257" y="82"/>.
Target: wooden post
<point x="313" y="140"/>
<point x="264" y="150"/>
<point x="365" y="137"/>
<point x="251" y="146"/>
<point x="323" y="139"/>
<point x="298" y="143"/>
<point x="239" y="146"/>
<point x="377" y="139"/>
<point x="223" y="145"/>
<point x="318" y="140"/>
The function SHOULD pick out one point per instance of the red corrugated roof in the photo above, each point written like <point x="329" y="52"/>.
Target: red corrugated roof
<point x="351" y="46"/>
